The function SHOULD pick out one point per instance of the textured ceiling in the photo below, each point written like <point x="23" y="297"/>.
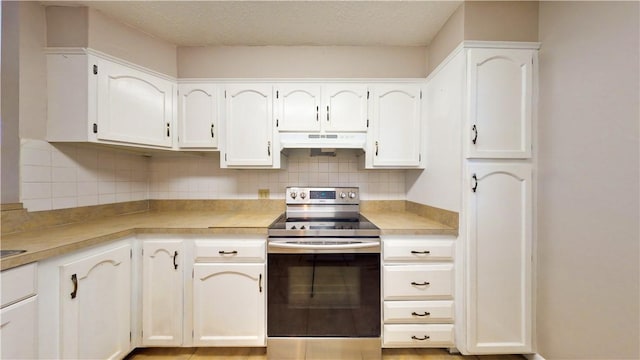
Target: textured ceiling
<point x="216" y="23"/>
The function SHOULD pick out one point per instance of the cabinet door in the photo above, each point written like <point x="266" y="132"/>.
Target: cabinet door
<point x="396" y="126"/>
<point x="96" y="305"/>
<point x="229" y="305"/>
<point x="500" y="91"/>
<point x="162" y="289"/>
<point x="198" y="117"/>
<point x="249" y="117"/>
<point x="133" y="106"/>
<point x="499" y="208"/>
<point x="18" y="329"/>
<point x="298" y="107"/>
<point x="344" y="108"/>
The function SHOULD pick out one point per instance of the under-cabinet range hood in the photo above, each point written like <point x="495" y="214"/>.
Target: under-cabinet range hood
<point x="322" y="140"/>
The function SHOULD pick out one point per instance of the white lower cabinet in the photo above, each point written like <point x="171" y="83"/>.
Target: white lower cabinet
<point x="499" y="268"/>
<point x="229" y="292"/>
<point x="95" y="303"/>
<point x="18" y="317"/>
<point x="162" y="292"/>
<point x="418" y="286"/>
<point x="229" y="304"/>
<point x="418" y="335"/>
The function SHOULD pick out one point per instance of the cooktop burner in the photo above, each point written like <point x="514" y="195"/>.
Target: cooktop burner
<point x="323" y="227"/>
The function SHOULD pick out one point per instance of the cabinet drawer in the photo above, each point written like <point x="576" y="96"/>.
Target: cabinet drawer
<point x="418" y="250"/>
<point x="418" y="311"/>
<point x="418" y="282"/>
<point x="232" y="250"/>
<point x="18" y="283"/>
<point x="414" y="335"/>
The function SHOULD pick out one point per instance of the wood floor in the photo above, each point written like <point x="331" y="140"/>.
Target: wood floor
<point x="260" y="354"/>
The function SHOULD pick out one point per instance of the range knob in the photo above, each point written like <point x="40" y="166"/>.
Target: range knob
<point x="303" y="195"/>
<point x="343" y="195"/>
<point x="352" y="195"/>
<point x="293" y="194"/>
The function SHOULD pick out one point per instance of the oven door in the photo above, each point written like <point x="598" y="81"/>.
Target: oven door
<point x="324" y="293"/>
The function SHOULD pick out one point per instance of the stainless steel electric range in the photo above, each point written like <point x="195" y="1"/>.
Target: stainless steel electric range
<point x="323" y="271"/>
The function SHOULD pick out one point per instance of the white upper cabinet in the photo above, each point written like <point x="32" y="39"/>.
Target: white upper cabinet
<point x="344" y="107"/>
<point x="298" y="107"/>
<point x="133" y="106"/>
<point x="321" y="107"/>
<point x="395" y="139"/>
<point x="499" y="95"/>
<point x="198" y="116"/>
<point x="249" y="126"/>
<point x="500" y="238"/>
<point x="92" y="98"/>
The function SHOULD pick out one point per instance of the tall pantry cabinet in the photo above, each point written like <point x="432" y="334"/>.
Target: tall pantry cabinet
<point x="495" y="274"/>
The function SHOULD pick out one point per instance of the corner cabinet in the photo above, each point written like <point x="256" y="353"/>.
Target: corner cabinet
<point x="199" y="108"/>
<point x="249" y="140"/>
<point x="395" y="139"/>
<point x="499" y="93"/>
<point x="499" y="232"/>
<point x="96" y="98"/>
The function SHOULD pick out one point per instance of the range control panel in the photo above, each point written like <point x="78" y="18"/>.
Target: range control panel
<point x="318" y="195"/>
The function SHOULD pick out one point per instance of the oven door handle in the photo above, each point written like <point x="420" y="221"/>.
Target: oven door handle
<point x="324" y="247"/>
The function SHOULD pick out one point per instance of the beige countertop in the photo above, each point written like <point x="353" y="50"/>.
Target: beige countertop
<point x="53" y="241"/>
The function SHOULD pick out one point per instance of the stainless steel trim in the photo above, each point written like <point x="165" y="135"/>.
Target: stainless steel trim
<point x="324" y="348"/>
<point x="328" y="211"/>
<point x="323" y="245"/>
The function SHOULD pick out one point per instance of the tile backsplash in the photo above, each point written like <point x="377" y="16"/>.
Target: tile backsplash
<point x="56" y="176"/>
<point x="202" y="178"/>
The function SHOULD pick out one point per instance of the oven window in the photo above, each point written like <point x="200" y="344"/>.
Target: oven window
<point x="315" y="295"/>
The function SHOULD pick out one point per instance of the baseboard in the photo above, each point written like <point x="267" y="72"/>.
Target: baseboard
<point x="533" y="357"/>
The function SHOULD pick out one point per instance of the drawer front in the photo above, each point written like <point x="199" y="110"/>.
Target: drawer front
<point x="418" y="312"/>
<point x="414" y="335"/>
<point x="418" y="282"/>
<point x="418" y="250"/>
<point x="235" y="250"/>
<point x="18" y="283"/>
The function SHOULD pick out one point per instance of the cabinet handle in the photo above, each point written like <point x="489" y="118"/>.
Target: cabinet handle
<point x="475" y="182"/>
<point x="327" y="113"/>
<point x="74" y="280"/>
<point x="420" y="252"/>
<point x="424" y="283"/>
<point x="175" y="264"/>
<point x="222" y="252"/>
<point x="260" y="283"/>
<point x="168" y="130"/>
<point x="475" y="134"/>
<point x="377" y="148"/>
<point x="317" y="113"/>
<point x="269" y="148"/>
<point x="426" y="337"/>
<point x="423" y="314"/>
<point x="212" y="134"/>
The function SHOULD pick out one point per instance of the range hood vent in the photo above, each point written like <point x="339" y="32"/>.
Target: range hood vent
<point x="323" y="141"/>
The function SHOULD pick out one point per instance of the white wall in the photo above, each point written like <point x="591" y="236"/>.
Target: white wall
<point x="33" y="71"/>
<point x="588" y="216"/>
<point x="302" y="62"/>
<point x="10" y="103"/>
